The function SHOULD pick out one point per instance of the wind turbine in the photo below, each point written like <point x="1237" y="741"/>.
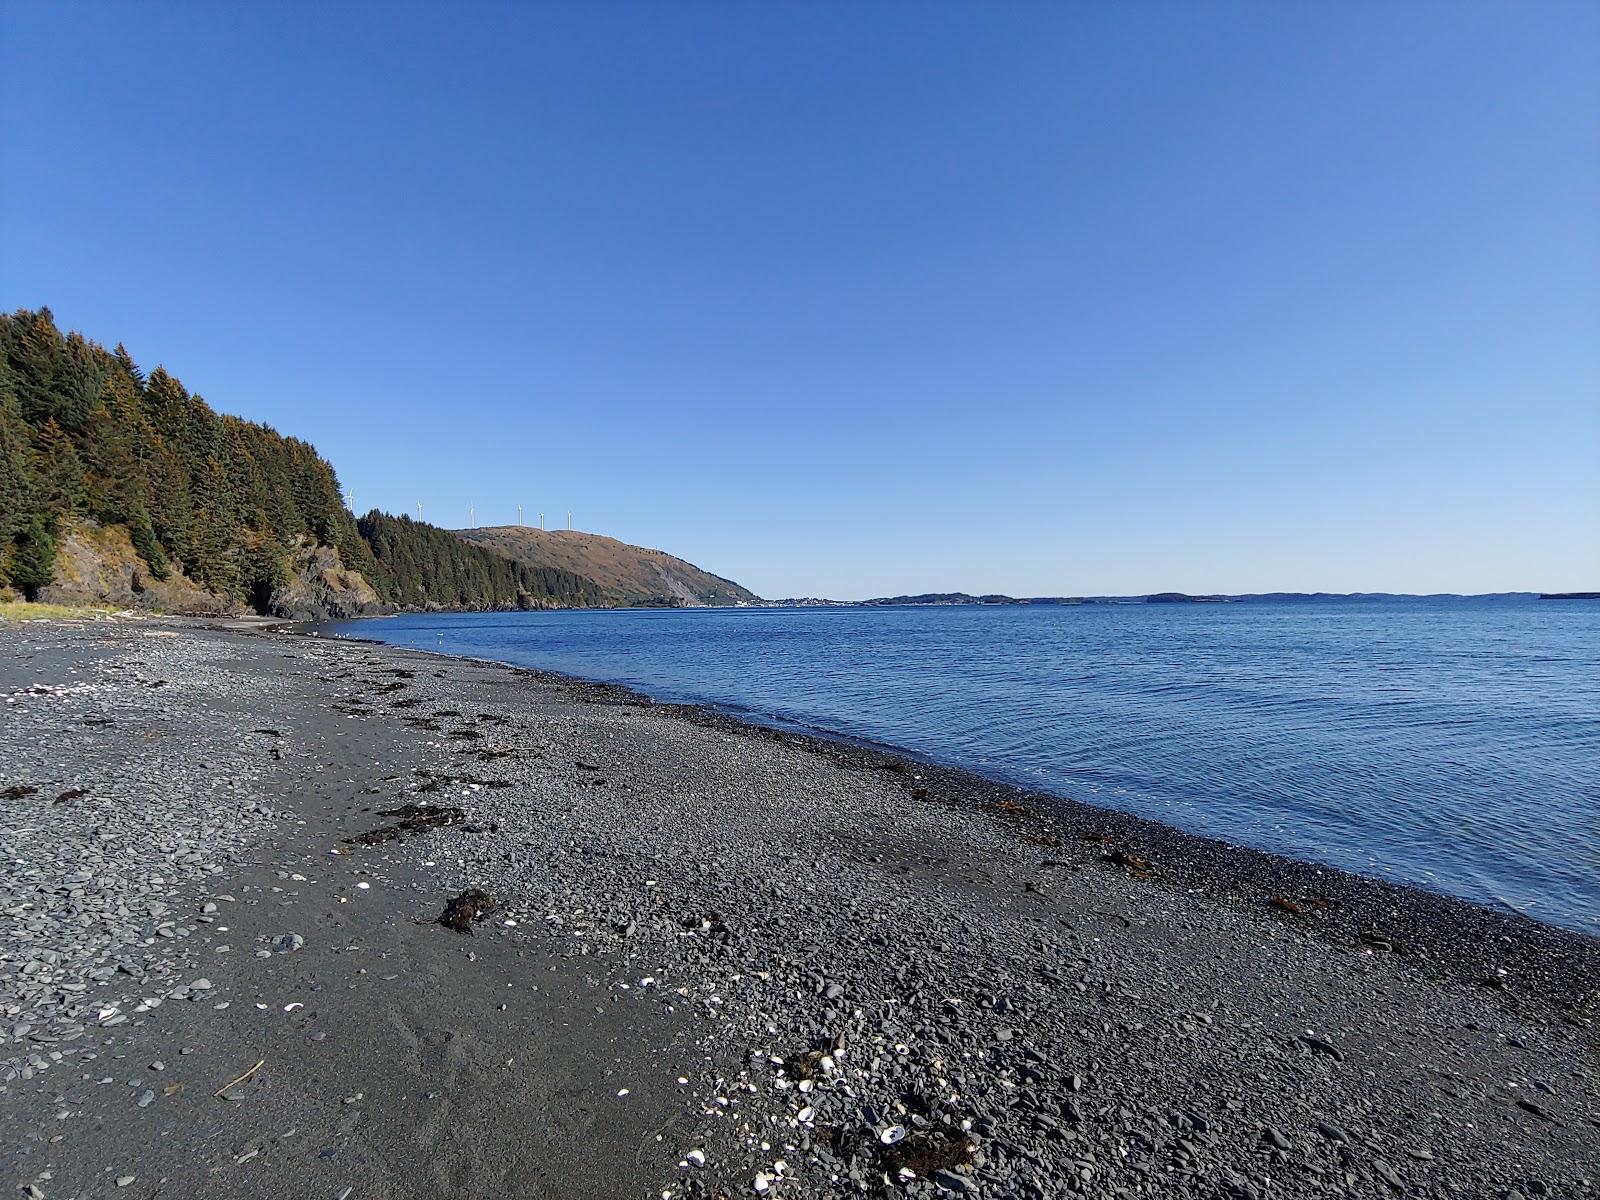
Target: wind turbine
<point x="472" y="516"/>
<point x="569" y="520"/>
<point x="419" y="510"/>
<point x="519" y="514"/>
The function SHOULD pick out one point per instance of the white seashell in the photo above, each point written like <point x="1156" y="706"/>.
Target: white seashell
<point x="893" y="1134"/>
<point x="762" y="1183"/>
<point x="695" y="1158"/>
<point x="806" y="1115"/>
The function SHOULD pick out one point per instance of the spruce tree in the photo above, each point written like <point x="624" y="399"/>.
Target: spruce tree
<point x="34" y="346"/>
<point x="32" y="563"/>
<point x="59" y="471"/>
<point x="18" y="484"/>
<point x="125" y="361"/>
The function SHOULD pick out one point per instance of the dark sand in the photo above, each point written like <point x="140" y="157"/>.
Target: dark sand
<point x="784" y="951"/>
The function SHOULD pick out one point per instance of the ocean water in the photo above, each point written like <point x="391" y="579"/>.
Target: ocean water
<point x="1452" y="744"/>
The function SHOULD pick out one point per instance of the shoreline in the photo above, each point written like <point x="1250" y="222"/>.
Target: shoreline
<point x="723" y="959"/>
<point x="1201" y="860"/>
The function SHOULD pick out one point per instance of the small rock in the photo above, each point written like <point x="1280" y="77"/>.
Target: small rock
<point x="1388" y="1174"/>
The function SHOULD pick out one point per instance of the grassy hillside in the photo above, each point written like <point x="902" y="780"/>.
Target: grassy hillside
<point x="628" y="575"/>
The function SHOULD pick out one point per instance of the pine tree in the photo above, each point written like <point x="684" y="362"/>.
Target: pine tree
<point x="125" y="361"/>
<point x="59" y="471"/>
<point x="119" y="445"/>
<point x="215" y="532"/>
<point x="34" y="346"/>
<point x="32" y="563"/>
<point x="81" y="370"/>
<point x="141" y="531"/>
<point x="18" y="485"/>
<point x="172" y="515"/>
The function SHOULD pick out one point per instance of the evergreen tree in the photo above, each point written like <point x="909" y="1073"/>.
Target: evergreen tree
<point x="81" y="370"/>
<point x="59" y="471"/>
<point x="119" y="445"/>
<point x="33" y="348"/>
<point x="215" y="532"/>
<point x="141" y="531"/>
<point x="131" y="368"/>
<point x="32" y="563"/>
<point x="172" y="514"/>
<point x="18" y="485"/>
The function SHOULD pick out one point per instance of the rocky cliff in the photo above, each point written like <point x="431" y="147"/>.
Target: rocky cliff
<point x="96" y="565"/>
<point x="321" y="587"/>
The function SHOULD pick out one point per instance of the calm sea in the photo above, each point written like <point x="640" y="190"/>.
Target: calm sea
<point x="1453" y="744"/>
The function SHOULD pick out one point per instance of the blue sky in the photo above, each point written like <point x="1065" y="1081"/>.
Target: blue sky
<point x="858" y="299"/>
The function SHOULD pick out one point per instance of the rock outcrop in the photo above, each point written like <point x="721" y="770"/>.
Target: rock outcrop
<point x="96" y="565"/>
<point x="321" y="587"/>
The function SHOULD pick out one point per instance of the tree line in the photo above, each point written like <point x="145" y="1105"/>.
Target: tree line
<point x="85" y="434"/>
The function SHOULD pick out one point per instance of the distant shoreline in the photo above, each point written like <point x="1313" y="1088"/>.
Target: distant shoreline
<point x="965" y="599"/>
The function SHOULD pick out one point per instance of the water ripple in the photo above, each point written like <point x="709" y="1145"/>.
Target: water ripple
<point x="1450" y="744"/>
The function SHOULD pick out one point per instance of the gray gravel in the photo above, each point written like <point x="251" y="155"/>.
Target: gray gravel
<point x="768" y="965"/>
<point x="97" y="922"/>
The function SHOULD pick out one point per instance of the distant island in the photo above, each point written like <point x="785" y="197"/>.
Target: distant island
<point x="1570" y="596"/>
<point x="953" y="599"/>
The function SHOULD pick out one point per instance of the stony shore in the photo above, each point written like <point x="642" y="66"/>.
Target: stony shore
<point x="720" y="960"/>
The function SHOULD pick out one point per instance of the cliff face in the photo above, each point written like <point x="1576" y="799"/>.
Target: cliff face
<point x="321" y="587"/>
<point x="97" y="566"/>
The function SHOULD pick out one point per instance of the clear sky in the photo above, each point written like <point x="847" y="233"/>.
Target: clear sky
<point x="865" y="298"/>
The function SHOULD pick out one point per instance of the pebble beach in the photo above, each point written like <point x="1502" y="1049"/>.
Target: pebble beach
<point x="688" y="957"/>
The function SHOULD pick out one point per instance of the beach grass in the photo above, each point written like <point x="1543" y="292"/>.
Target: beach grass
<point x="28" y="610"/>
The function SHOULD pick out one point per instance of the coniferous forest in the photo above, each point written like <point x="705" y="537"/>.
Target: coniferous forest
<point x="85" y="435"/>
